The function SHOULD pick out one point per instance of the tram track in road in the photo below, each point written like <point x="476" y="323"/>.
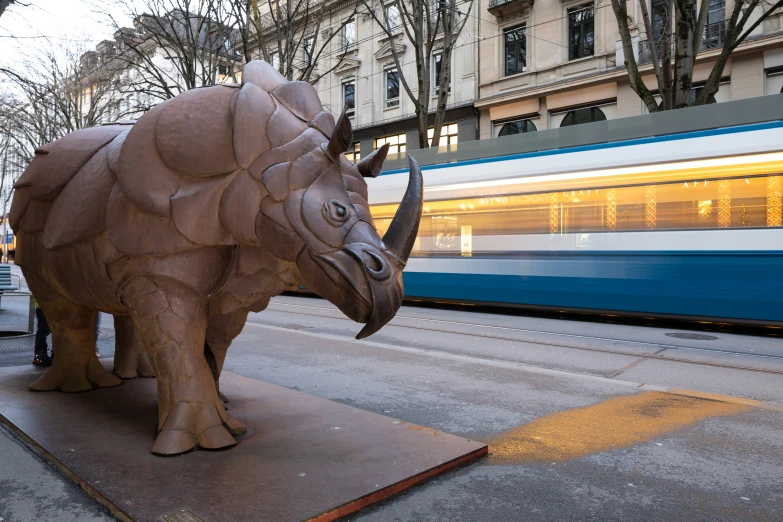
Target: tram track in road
<point x="657" y="350"/>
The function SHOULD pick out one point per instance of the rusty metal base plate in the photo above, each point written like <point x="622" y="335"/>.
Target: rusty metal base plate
<point x="303" y="458"/>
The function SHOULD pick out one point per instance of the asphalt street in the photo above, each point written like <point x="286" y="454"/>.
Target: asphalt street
<point x="585" y="421"/>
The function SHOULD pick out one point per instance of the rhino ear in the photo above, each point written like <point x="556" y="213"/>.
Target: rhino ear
<point x="341" y="136"/>
<point x="370" y="166"/>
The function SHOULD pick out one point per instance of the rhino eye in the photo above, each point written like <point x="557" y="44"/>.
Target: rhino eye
<point x="335" y="212"/>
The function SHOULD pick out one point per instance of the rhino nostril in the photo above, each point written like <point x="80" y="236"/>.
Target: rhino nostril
<point x="373" y="261"/>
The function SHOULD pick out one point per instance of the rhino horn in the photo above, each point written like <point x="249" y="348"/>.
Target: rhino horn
<point x="401" y="235"/>
<point x="341" y="136"/>
<point x="370" y="166"/>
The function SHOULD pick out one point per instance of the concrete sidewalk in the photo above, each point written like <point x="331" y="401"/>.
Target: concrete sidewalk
<point x="571" y="438"/>
<point x="33" y="491"/>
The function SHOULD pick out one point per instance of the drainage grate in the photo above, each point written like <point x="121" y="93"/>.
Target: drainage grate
<point x="692" y="336"/>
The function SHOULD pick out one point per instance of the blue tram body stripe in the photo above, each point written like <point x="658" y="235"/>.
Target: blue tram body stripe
<point x="715" y="285"/>
<point x="599" y="146"/>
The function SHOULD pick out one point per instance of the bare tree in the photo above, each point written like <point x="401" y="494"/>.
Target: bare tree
<point x="429" y="25"/>
<point x="57" y="91"/>
<point x="5" y="4"/>
<point x="676" y="32"/>
<point x="175" y="46"/>
<point x="291" y="34"/>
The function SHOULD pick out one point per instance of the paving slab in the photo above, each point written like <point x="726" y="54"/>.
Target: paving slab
<point x="303" y="458"/>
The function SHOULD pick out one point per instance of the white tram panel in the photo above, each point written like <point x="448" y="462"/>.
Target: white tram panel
<point x="732" y="240"/>
<point x="437" y="179"/>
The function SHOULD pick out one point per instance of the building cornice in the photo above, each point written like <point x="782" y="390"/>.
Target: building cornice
<point x="618" y="73"/>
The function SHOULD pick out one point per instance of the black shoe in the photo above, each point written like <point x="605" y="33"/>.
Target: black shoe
<point x="42" y="360"/>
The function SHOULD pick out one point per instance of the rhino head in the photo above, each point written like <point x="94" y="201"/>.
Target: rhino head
<point x="343" y="259"/>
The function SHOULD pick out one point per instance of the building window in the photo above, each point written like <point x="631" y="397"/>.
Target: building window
<point x="274" y="59"/>
<point x="392" y="14"/>
<point x="308" y="49"/>
<point x="353" y="154"/>
<point x="392" y="88"/>
<point x="581" y="33"/>
<point x="516" y="127"/>
<point x="437" y="61"/>
<point x="774" y="83"/>
<point x="715" y="28"/>
<point x="580" y="116"/>
<point x="349" y="98"/>
<point x="696" y="92"/>
<point x="659" y="22"/>
<point x="396" y="143"/>
<point x="448" y="135"/>
<point x="516" y="50"/>
<point x="349" y="33"/>
<point x="223" y="73"/>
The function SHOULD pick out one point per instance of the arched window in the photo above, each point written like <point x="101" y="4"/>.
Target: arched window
<point x="517" y="127"/>
<point x="580" y="116"/>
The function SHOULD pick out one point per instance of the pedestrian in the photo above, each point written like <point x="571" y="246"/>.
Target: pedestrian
<point x="97" y="331"/>
<point x="41" y="357"/>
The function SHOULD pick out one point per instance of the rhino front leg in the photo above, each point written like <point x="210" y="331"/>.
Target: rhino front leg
<point x="172" y="320"/>
<point x="75" y="367"/>
<point x="130" y="356"/>
<point x="221" y="332"/>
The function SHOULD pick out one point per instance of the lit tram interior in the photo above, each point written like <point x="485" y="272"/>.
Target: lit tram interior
<point x="722" y="193"/>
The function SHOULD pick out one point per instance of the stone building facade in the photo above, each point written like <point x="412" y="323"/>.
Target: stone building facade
<point x="358" y="65"/>
<point x="560" y="62"/>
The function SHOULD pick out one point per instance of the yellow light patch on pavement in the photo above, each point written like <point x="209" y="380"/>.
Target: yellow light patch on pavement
<point x="619" y="422"/>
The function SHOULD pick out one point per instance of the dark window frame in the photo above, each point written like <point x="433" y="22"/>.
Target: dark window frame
<point x="521" y="126"/>
<point x="594" y="111"/>
<point x="392" y="101"/>
<point x="348" y="42"/>
<point x="515" y="49"/>
<point x="437" y="60"/>
<point x="394" y="22"/>
<point x="581" y="31"/>
<point x="350" y="110"/>
<point x="308" y="48"/>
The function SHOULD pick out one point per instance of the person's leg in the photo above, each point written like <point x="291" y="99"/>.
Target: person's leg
<point x="97" y="331"/>
<point x="41" y="333"/>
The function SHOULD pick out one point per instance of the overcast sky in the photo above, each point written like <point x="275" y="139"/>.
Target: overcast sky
<point x="59" y="20"/>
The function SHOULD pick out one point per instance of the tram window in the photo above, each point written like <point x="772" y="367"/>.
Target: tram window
<point x="580" y="116"/>
<point x="499" y="223"/>
<point x="517" y="127"/>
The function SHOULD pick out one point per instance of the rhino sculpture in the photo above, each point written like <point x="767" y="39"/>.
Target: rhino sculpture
<point x="181" y="223"/>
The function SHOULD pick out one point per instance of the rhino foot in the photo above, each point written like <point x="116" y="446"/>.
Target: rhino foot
<point x="192" y="425"/>
<point x="132" y="365"/>
<point x="130" y="356"/>
<point x="75" y="372"/>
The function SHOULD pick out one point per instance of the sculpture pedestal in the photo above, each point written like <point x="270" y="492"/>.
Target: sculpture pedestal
<point x="303" y="458"/>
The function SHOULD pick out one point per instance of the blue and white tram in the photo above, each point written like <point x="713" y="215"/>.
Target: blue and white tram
<point x="687" y="225"/>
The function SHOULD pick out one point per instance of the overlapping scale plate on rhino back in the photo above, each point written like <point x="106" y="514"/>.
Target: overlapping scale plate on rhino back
<point x="197" y="162"/>
<point x="52" y="168"/>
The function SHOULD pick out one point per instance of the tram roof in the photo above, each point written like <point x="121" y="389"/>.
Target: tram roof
<point x="705" y="118"/>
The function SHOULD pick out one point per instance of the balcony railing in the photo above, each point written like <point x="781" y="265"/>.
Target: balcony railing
<point x="713" y="38"/>
<point x="714" y="35"/>
<point x="505" y="7"/>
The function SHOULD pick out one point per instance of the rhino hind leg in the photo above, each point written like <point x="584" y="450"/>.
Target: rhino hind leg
<point x="173" y="322"/>
<point x="75" y="367"/>
<point x="130" y="355"/>
<point x="221" y="331"/>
